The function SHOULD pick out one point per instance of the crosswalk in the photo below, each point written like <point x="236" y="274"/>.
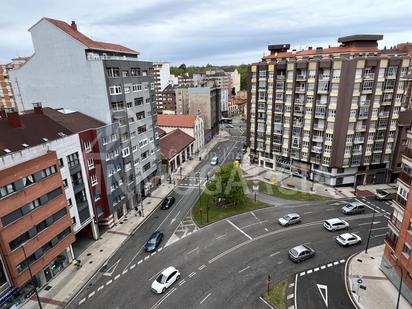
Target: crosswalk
<point x="191" y="182"/>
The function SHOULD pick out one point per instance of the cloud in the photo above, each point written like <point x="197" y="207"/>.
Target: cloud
<point x="217" y="32"/>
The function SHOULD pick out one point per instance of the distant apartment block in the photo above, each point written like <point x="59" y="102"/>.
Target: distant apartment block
<point x="396" y="261"/>
<point x="161" y="80"/>
<point x="7" y="99"/>
<point x="328" y="114"/>
<point x="407" y="99"/>
<point x="104" y="80"/>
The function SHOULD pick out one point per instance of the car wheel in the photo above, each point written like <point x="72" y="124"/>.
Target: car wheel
<point x="164" y="290"/>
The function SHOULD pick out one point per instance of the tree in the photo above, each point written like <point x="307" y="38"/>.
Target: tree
<point x="228" y="185"/>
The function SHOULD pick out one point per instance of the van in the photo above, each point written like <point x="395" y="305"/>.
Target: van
<point x="353" y="208"/>
<point x="386" y="194"/>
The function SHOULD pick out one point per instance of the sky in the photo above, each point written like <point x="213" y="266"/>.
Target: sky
<point x="198" y="32"/>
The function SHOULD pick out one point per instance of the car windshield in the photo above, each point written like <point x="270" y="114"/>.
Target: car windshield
<point x="161" y="279"/>
<point x="287" y="217"/>
<point x="294" y="252"/>
<point x="152" y="241"/>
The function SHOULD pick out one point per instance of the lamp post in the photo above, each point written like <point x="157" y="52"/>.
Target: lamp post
<point x="370" y="230"/>
<point x="255" y="187"/>
<point x="31" y="277"/>
<point x="400" y="286"/>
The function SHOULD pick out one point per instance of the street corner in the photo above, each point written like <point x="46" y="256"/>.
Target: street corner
<point x="322" y="287"/>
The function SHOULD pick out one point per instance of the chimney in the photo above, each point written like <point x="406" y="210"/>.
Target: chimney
<point x="73" y="25"/>
<point x="310" y="48"/>
<point x="13" y="118"/>
<point x="38" y="109"/>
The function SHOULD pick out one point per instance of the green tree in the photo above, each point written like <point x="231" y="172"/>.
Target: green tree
<point x="227" y="186"/>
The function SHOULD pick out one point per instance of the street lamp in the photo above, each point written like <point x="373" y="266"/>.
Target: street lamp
<point x="370" y="230"/>
<point x="31" y="277"/>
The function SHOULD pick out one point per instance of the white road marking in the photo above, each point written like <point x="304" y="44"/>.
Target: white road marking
<point x="308" y="212"/>
<point x="253" y="214"/>
<point x="330" y="209"/>
<point x="309" y="271"/>
<point x="380" y="228"/>
<point x="291" y="285"/>
<point x="302" y="273"/>
<point x="155" y="275"/>
<point x="192" y="274"/>
<point x="296" y="288"/>
<point x="201" y="267"/>
<point x="266" y="229"/>
<point x="112" y="268"/>
<point x="108" y="282"/>
<point x="175" y="218"/>
<point x="100" y="288"/>
<point x="221" y="236"/>
<point x="153" y="253"/>
<point x="240" y="271"/>
<point x="380" y="235"/>
<point x="182" y="282"/>
<point x="342" y="261"/>
<point x="270" y="306"/>
<point x="191" y="251"/>
<point x="160" y="249"/>
<point x="82" y="301"/>
<point x="117" y="277"/>
<point x="335" y="263"/>
<point x="252" y="224"/>
<point x="91" y="294"/>
<point x="236" y="227"/>
<point x="146" y="257"/>
<point x="205" y="298"/>
<point x="156" y="305"/>
<point x="330" y="265"/>
<point x="323" y="267"/>
<point x="316" y="269"/>
<point x="324" y="294"/>
<point x="275" y="253"/>
<point x="139" y="262"/>
<point x="133" y="266"/>
<point x="290" y="296"/>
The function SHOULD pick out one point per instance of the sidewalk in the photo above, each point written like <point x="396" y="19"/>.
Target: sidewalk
<point x="66" y="285"/>
<point x="380" y="293"/>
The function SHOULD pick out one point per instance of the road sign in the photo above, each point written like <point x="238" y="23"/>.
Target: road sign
<point x="323" y="290"/>
<point x="359" y="280"/>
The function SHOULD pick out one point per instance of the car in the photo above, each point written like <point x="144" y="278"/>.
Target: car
<point x="300" y="253"/>
<point x="238" y="158"/>
<point x="335" y="224"/>
<point x="289" y="219"/>
<point x="229" y="126"/>
<point x="168" y="202"/>
<point x="167" y="277"/>
<point x="348" y="239"/>
<point x="214" y="161"/>
<point x="154" y="241"/>
<point x="353" y="208"/>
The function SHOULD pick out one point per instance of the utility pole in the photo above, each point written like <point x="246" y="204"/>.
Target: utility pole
<point x="370" y="231"/>
<point x="31" y="278"/>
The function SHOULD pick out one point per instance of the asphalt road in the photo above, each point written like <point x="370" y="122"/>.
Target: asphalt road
<point x="225" y="265"/>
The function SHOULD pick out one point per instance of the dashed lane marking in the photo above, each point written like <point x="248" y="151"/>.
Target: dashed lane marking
<point x="82" y="301"/>
<point x="182" y="282"/>
<point x="117" y="277"/>
<point x="330" y="265"/>
<point x="266" y="229"/>
<point x="290" y="296"/>
<point x="201" y="267"/>
<point x="205" y="298"/>
<point x="291" y="285"/>
<point x="302" y="273"/>
<point x="309" y="271"/>
<point x="91" y="294"/>
<point x="194" y="250"/>
<point x="139" y="262"/>
<point x="316" y="269"/>
<point x="221" y="236"/>
<point x="100" y="288"/>
<point x="133" y="266"/>
<point x="242" y="270"/>
<point x="108" y="282"/>
<point x="275" y="253"/>
<point x="308" y="212"/>
<point x="335" y="263"/>
<point x="192" y="274"/>
<point x="323" y="267"/>
<point x="125" y="271"/>
<point x="342" y="261"/>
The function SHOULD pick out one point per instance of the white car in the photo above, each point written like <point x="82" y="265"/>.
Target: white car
<point x="289" y="219"/>
<point x="214" y="161"/>
<point x="167" y="277"/>
<point x="335" y="224"/>
<point x="348" y="239"/>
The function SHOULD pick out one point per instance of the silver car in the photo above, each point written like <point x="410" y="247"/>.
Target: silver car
<point x="301" y="253"/>
<point x="289" y="219"/>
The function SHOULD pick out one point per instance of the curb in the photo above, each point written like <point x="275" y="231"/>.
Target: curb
<point x="354" y="303"/>
<point x="69" y="301"/>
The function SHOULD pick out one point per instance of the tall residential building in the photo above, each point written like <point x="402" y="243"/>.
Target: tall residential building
<point x="329" y="114"/>
<point x="235" y="80"/>
<point x="161" y="80"/>
<point x="104" y="80"/>
<point x="7" y="99"/>
<point x="182" y="100"/>
<point x="407" y="100"/>
<point x="169" y="100"/>
<point x="54" y="189"/>
<point x="397" y="260"/>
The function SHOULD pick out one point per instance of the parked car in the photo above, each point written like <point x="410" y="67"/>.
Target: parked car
<point x="348" y="239"/>
<point x="289" y="219"/>
<point x="154" y="241"/>
<point x="238" y="158"/>
<point x="301" y="253"/>
<point x="168" y="202"/>
<point x="386" y="194"/>
<point x="214" y="161"/>
<point x="335" y="224"/>
<point x="353" y="208"/>
<point x="167" y="277"/>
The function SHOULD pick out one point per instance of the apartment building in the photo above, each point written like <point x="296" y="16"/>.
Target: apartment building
<point x="103" y="80"/>
<point x="7" y="99"/>
<point x="205" y="102"/>
<point x="161" y="80"/>
<point x="182" y="100"/>
<point x="328" y="114"/>
<point x="407" y="99"/>
<point x="169" y="100"/>
<point x="397" y="260"/>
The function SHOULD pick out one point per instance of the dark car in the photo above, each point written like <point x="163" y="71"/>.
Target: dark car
<point x="238" y="158"/>
<point x="154" y="241"/>
<point x="168" y="202"/>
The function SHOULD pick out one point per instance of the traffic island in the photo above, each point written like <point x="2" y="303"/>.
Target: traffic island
<point x="276" y="295"/>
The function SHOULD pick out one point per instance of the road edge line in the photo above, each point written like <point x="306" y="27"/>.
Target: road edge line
<point x="347" y="279"/>
<point x="269" y="305"/>
<point x="296" y="295"/>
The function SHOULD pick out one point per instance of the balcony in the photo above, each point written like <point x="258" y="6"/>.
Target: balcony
<point x="408" y="153"/>
<point x="359" y="140"/>
<point x="298" y="124"/>
<point x="397" y="224"/>
<point x="298" y="101"/>
<point x="317" y="149"/>
<point x="406" y="178"/>
<point x="324" y="77"/>
<point x="321" y="103"/>
<point x="360" y="128"/>
<point x="301" y="77"/>
<point x="386" y="102"/>
<point x="300" y="89"/>
<point x="369" y="76"/>
<point x="400" y="201"/>
<point x="390" y="241"/>
<point x="365" y="103"/>
<point x="320" y="115"/>
<point x="363" y="116"/>
<point x="384" y="114"/>
<point x="280" y="77"/>
<point x="366" y="90"/>
<point x="318" y="127"/>
<point x="317" y="138"/>
<point x="323" y="90"/>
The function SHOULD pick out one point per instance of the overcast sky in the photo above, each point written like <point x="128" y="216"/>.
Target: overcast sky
<point x="197" y="32"/>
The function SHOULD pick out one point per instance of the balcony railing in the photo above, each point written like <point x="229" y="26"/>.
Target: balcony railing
<point x="408" y="153"/>
<point x="320" y="115"/>
<point x="391" y="242"/>
<point x="300" y="89"/>
<point x="324" y="77"/>
<point x="300" y="77"/>
<point x="360" y="128"/>
<point x="369" y="75"/>
<point x="317" y="149"/>
<point x="395" y="222"/>
<point x="280" y="76"/>
<point x="359" y="140"/>
<point x="406" y="178"/>
<point x="298" y="101"/>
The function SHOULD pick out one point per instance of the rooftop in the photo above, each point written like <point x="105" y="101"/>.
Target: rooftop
<point x="37" y="129"/>
<point x="174" y="142"/>
<point x="85" y="40"/>
<point x="181" y="121"/>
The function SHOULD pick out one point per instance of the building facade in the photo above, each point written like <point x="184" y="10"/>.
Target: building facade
<point x="161" y="80"/>
<point x="169" y="100"/>
<point x="182" y="100"/>
<point x="104" y="80"/>
<point x="328" y="114"/>
<point x="7" y="99"/>
<point x="397" y="260"/>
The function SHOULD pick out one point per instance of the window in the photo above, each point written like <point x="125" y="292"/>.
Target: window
<point x="136" y="87"/>
<point x="73" y="159"/>
<point x="143" y="143"/>
<point x="141" y="129"/>
<point x="127" y="89"/>
<point x="125" y="73"/>
<point x="140" y="115"/>
<point x="126" y="152"/>
<point x="69" y="202"/>
<point x="90" y="163"/>
<point x="93" y="180"/>
<point x="104" y="140"/>
<point x="113" y="137"/>
<point x="367" y="85"/>
<point x="146" y="166"/>
<point x="6" y="190"/>
<point x="134" y="148"/>
<point x="28" y="180"/>
<point x="117" y="106"/>
<point x="135" y="71"/>
<point x="87" y="146"/>
<point x="406" y="250"/>
<point x="61" y="163"/>
<point x="138" y="101"/>
<point x="65" y="183"/>
<point x="112" y="72"/>
<point x="115" y="90"/>
<point x="51" y="170"/>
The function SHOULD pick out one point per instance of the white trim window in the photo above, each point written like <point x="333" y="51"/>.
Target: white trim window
<point x="93" y="180"/>
<point x="87" y="146"/>
<point x="126" y="89"/>
<point x="90" y="164"/>
<point x="115" y="90"/>
<point x="143" y="143"/>
<point x="126" y="152"/>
